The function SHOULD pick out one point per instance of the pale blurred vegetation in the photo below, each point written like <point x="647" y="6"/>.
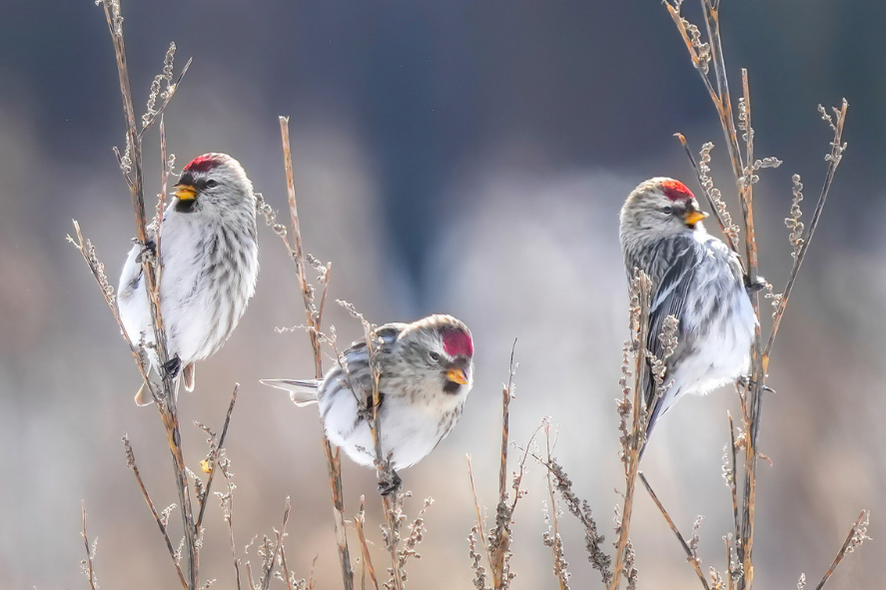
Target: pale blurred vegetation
<point x="449" y="157"/>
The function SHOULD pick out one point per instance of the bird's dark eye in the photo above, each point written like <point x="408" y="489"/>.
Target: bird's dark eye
<point x="667" y="210"/>
<point x="434" y="356"/>
<point x="210" y="183"/>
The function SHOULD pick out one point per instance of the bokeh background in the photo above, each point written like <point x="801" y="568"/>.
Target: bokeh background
<point x="461" y="157"/>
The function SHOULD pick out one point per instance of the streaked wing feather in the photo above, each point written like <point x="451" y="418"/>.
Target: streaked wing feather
<point x="131" y="275"/>
<point x="669" y="299"/>
<point x="352" y="376"/>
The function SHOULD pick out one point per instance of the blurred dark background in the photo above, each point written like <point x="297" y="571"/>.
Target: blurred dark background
<point x="461" y="157"/>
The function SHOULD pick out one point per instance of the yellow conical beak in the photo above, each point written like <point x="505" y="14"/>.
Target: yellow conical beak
<point x="457" y="376"/>
<point x="185" y="192"/>
<point x="693" y="217"/>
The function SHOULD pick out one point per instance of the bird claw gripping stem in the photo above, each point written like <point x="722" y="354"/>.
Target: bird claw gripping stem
<point x="389" y="483"/>
<point x="148" y="248"/>
<point x="754" y="286"/>
<point x="172" y="366"/>
<point x="746" y="381"/>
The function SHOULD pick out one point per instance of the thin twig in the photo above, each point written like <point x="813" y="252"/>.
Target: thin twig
<point x="392" y="505"/>
<point x="507" y="393"/>
<point x="733" y="478"/>
<point x="747" y="194"/>
<point x="499" y="539"/>
<point x="642" y="286"/>
<point x="166" y="401"/>
<point x="169" y="93"/>
<point x="170" y="421"/>
<point x="696" y="563"/>
<point x="754" y="391"/>
<point x="287" y="575"/>
<point x="708" y="196"/>
<point x="89" y="569"/>
<point x="704" y="56"/>
<point x="135" y="176"/>
<point x="359" y="522"/>
<point x="130" y="462"/>
<point x="278" y="546"/>
<point x="213" y="456"/>
<point x="480" y="519"/>
<point x="552" y="538"/>
<point x="834" y="158"/>
<point x="857" y="536"/>
<point x="582" y="511"/>
<point x="729" y="577"/>
<point x="161" y="198"/>
<point x="333" y="458"/>
<point x="228" y="507"/>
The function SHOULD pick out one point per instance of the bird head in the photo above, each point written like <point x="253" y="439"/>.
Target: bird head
<point x="440" y="348"/>
<point x="213" y="182"/>
<point x="660" y="207"/>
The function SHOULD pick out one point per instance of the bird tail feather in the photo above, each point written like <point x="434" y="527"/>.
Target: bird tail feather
<point x="302" y="392"/>
<point x="189" y="376"/>
<point x="143" y="396"/>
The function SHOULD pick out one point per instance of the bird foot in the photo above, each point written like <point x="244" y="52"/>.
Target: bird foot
<point x="757" y="285"/>
<point x="389" y="483"/>
<point x="148" y="248"/>
<point x="746" y="381"/>
<point x="172" y="367"/>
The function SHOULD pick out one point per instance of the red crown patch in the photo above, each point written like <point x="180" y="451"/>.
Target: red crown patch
<point x="457" y="343"/>
<point x="676" y="190"/>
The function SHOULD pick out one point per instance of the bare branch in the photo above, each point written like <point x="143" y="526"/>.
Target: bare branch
<point x="551" y="537"/>
<point x="313" y="317"/>
<point x="214" y="450"/>
<point x="359" y="525"/>
<point x="857" y="535"/>
<point x="160" y="520"/>
<point x="87" y="564"/>
<point x="833" y="158"/>
<point x="689" y="548"/>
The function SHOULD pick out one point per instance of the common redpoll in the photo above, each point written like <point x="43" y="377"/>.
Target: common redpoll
<point x="695" y="278"/>
<point x="424" y="373"/>
<point x="209" y="259"/>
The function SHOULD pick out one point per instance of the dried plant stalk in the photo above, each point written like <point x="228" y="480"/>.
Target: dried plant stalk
<point x="634" y="416"/>
<point x="87" y="564"/>
<point x="133" y="173"/>
<point x="497" y="542"/>
<point x="857" y="535"/>
<point x="279" y="536"/>
<point x="709" y="60"/>
<point x="314" y="317"/>
<point x="799" y="254"/>
<point x="551" y="537"/>
<point x="212" y="460"/>
<point x="689" y="548"/>
<point x="130" y="462"/>
<point x="582" y="511"/>
<point x="359" y="526"/>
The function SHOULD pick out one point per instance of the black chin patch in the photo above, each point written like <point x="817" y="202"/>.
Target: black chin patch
<point x="451" y="387"/>
<point x="185" y="206"/>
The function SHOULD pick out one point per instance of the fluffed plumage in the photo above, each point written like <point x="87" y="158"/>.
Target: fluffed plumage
<point x="695" y="278"/>
<point x="209" y="259"/>
<point x="425" y="374"/>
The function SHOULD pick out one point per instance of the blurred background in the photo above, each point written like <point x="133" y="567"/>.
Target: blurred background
<point x="461" y="157"/>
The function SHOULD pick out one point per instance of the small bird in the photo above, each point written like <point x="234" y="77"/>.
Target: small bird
<point x="696" y="278"/>
<point x="209" y="267"/>
<point x="425" y="374"/>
